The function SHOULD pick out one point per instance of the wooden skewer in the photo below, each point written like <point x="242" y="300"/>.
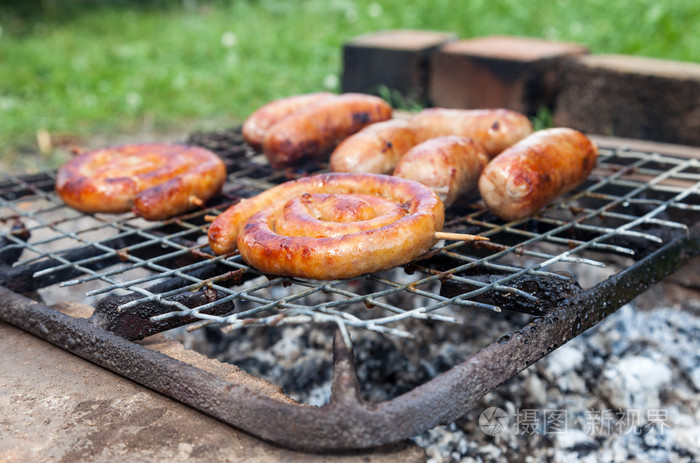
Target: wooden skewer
<point x="459" y="237"/>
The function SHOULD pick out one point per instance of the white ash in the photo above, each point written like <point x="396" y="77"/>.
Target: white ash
<point x="635" y="364"/>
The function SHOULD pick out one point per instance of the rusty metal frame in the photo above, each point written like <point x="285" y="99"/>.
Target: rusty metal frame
<point x="348" y="422"/>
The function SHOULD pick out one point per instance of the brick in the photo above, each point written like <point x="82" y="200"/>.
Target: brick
<point x="634" y="97"/>
<point x="499" y="72"/>
<point x="396" y="59"/>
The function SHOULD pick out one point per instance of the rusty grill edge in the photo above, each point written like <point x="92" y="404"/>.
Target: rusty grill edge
<point x="347" y="422"/>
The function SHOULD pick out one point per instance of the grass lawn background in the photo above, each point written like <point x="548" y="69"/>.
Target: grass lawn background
<point x="89" y="72"/>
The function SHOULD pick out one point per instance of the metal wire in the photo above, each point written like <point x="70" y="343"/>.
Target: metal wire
<point x="631" y="197"/>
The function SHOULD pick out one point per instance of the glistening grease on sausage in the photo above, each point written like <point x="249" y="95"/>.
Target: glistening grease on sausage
<point x="533" y="172"/>
<point x="450" y="166"/>
<point x="259" y="122"/>
<point x="311" y="133"/>
<point x="156" y="180"/>
<point x="376" y="149"/>
<point x="494" y="129"/>
<point x="331" y="226"/>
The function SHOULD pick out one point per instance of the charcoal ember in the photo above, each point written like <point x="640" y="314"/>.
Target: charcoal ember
<point x="297" y="359"/>
<point x="634" y="381"/>
<point x="135" y="323"/>
<point x="549" y="292"/>
<point x="9" y="252"/>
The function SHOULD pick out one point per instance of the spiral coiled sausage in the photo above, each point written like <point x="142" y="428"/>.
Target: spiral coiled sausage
<point x="331" y="226"/>
<point x="155" y="180"/>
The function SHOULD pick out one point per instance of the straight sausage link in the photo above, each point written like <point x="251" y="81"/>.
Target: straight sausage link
<point x="495" y="129"/>
<point x="450" y="166"/>
<point x="376" y="149"/>
<point x="533" y="172"/>
<point x="311" y="133"/>
<point x="259" y="122"/>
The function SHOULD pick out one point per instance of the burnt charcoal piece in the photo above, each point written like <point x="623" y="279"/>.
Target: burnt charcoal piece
<point x="9" y="250"/>
<point x="549" y="292"/>
<point x="135" y="323"/>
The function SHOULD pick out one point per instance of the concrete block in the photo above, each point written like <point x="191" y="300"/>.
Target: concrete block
<point x="397" y="60"/>
<point x="499" y="72"/>
<point x="634" y="97"/>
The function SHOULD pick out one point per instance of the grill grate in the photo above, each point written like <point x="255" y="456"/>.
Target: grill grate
<point x="636" y="216"/>
<point x="628" y="207"/>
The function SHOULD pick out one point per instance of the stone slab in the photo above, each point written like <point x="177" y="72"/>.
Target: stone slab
<point x="56" y="407"/>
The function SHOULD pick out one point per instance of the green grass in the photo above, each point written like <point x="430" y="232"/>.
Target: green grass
<point x="89" y="68"/>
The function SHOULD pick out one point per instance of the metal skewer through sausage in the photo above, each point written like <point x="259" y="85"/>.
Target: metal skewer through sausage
<point x="155" y="180"/>
<point x="331" y="226"/>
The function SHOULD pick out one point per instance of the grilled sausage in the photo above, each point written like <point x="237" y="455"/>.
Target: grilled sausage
<point x="331" y="226"/>
<point x="533" y="172"/>
<point x="259" y="122"/>
<point x="376" y="149"/>
<point x="156" y="180"/>
<point x="495" y="129"/>
<point x="311" y="133"/>
<point x="450" y="166"/>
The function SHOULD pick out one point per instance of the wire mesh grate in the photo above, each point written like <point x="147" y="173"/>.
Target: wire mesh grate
<point x="631" y="204"/>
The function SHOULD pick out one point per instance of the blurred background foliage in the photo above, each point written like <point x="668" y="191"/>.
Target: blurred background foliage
<point x="82" y="72"/>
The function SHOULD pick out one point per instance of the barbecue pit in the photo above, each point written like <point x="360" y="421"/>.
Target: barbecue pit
<point x="636" y="216"/>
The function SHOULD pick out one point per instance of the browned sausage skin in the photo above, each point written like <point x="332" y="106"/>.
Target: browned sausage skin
<point x="157" y="180"/>
<point x="533" y="172"/>
<point x="259" y="122"/>
<point x="311" y="133"/>
<point x="495" y="129"/>
<point x="376" y="149"/>
<point x="450" y="166"/>
<point x="331" y="226"/>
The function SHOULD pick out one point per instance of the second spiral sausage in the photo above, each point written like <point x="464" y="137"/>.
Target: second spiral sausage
<point x="155" y="180"/>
